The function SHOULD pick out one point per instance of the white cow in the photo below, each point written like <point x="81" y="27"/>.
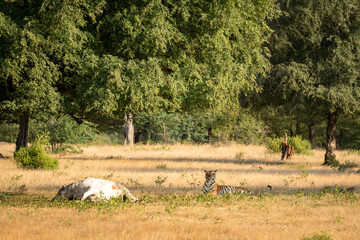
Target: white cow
<point x="94" y="190"/>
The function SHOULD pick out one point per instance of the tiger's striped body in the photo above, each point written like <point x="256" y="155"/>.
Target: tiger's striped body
<point x="212" y="188"/>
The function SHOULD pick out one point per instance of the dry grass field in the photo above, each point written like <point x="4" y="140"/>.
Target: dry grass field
<point x="169" y="179"/>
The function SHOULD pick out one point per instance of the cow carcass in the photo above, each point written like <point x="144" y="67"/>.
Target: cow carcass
<point x="93" y="189"/>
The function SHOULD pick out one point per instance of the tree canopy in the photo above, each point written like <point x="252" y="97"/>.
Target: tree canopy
<point x="316" y="56"/>
<point x="173" y="55"/>
<point x="96" y="59"/>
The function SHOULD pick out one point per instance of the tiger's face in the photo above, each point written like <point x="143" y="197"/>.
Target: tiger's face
<point x="210" y="175"/>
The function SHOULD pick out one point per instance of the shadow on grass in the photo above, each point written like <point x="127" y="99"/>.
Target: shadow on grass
<point x="178" y="160"/>
<point x="255" y="170"/>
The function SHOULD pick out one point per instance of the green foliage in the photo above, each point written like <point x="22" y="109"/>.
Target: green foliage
<point x="332" y="161"/>
<point x="338" y="192"/>
<point x="114" y="137"/>
<point x="67" y="149"/>
<point x="97" y="60"/>
<point x="171" y="202"/>
<point x="315" y="54"/>
<point x="160" y="180"/>
<point x="274" y="145"/>
<point x="348" y="133"/>
<point x="300" y="145"/>
<point x="161" y="166"/>
<point x="135" y="183"/>
<point x="8" y="132"/>
<point x="28" y="76"/>
<point x="63" y="130"/>
<point x="198" y="127"/>
<point x="315" y="59"/>
<point x="240" y="126"/>
<point x="212" y="49"/>
<point x="347" y="165"/>
<point x="66" y="130"/>
<point x="13" y="183"/>
<point x="353" y="151"/>
<point x="35" y="157"/>
<point x="318" y="236"/>
<point x="170" y="128"/>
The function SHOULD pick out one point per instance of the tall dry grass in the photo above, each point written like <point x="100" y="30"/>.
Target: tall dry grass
<point x="182" y="166"/>
<point x="275" y="220"/>
<point x="149" y="170"/>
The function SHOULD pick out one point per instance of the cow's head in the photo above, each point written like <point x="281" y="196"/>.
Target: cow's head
<point x="61" y="194"/>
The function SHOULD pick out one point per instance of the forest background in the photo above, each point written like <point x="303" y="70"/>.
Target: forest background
<point x="180" y="71"/>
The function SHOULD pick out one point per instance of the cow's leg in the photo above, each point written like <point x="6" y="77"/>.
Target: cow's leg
<point x="92" y="198"/>
<point x="87" y="194"/>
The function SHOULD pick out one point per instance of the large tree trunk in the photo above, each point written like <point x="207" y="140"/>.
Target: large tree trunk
<point x="210" y="134"/>
<point x="330" y="157"/>
<point x="297" y="128"/>
<point x="312" y="134"/>
<point x="23" y="137"/>
<point x="129" y="130"/>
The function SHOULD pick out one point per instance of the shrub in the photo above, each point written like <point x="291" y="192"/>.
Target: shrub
<point x="274" y="145"/>
<point x="67" y="149"/>
<point x="300" y="145"/>
<point x="318" y="237"/>
<point x="332" y="162"/>
<point x="35" y="157"/>
<point x="346" y="165"/>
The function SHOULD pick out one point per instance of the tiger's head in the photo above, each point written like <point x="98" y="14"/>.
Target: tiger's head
<point x="210" y="175"/>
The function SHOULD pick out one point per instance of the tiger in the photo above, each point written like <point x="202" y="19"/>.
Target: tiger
<point x="214" y="189"/>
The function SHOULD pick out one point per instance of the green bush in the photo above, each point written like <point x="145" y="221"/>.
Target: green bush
<point x="274" y="145"/>
<point x="346" y="165"/>
<point x="318" y="237"/>
<point x="35" y="157"/>
<point x="300" y="145"/>
<point x="332" y="161"/>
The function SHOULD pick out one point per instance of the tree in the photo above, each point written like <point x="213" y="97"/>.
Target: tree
<point x="316" y="57"/>
<point x="40" y="45"/>
<point x="27" y="75"/>
<point x="171" y="55"/>
<point x="129" y="130"/>
<point x="102" y="60"/>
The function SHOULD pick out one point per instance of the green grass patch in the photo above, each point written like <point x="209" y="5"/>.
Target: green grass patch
<point x="318" y="236"/>
<point x="171" y="202"/>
